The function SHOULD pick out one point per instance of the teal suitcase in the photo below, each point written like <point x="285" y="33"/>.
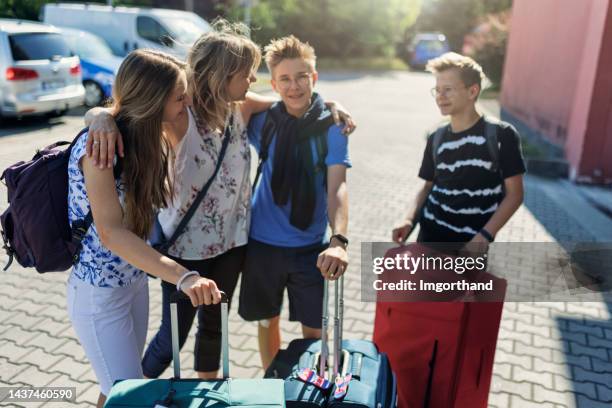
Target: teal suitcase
<point x="193" y="393"/>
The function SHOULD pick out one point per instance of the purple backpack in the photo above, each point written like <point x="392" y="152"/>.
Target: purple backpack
<point x="35" y="226"/>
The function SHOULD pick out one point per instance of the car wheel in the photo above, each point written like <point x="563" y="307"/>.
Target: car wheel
<point x="93" y="94"/>
<point x="57" y="113"/>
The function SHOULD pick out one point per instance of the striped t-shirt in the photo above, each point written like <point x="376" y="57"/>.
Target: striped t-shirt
<point x="466" y="191"/>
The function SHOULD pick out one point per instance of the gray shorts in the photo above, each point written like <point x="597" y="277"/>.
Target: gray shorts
<point x="268" y="270"/>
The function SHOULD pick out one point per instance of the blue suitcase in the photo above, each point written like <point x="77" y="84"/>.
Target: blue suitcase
<point x="372" y="384"/>
<point x="192" y="393"/>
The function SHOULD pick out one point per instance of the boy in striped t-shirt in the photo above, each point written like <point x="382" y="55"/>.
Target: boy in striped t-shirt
<point x="468" y="194"/>
<point x="473" y="171"/>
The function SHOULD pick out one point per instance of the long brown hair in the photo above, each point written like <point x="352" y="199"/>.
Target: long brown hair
<point x="212" y="61"/>
<point x="145" y="80"/>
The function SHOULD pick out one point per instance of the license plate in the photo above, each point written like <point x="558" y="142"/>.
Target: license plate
<point x="49" y="85"/>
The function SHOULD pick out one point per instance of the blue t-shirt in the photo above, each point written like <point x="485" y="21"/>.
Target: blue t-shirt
<point x="269" y="222"/>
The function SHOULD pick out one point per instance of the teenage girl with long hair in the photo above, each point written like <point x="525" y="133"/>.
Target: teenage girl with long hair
<point x="107" y="291"/>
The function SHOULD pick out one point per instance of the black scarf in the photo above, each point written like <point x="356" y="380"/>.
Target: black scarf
<point x="294" y="172"/>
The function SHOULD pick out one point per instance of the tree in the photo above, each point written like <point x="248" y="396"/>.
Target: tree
<point x="24" y="9"/>
<point x="336" y="28"/>
<point x="487" y="44"/>
<point x="454" y="18"/>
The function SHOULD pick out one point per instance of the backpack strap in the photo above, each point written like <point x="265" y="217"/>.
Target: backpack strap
<point x="267" y="133"/>
<point x="491" y="127"/>
<point x="321" y="146"/>
<point x="436" y="141"/>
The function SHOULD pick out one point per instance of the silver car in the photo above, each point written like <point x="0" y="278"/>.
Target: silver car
<point x="38" y="72"/>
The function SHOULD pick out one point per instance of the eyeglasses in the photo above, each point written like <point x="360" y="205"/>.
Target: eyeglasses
<point x="435" y="92"/>
<point x="302" y="81"/>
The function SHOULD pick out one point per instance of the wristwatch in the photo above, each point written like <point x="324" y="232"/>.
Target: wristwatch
<point x="489" y="237"/>
<point x="344" y="240"/>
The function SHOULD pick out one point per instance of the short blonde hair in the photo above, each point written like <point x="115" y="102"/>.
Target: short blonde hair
<point x="288" y="48"/>
<point x="469" y="70"/>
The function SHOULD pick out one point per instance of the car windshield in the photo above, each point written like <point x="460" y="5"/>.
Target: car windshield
<point x="186" y="30"/>
<point x="38" y="46"/>
<point x="89" y="46"/>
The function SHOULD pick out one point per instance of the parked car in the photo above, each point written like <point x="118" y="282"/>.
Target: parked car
<point x="129" y="28"/>
<point x="426" y="46"/>
<point x="38" y="72"/>
<point x="99" y="64"/>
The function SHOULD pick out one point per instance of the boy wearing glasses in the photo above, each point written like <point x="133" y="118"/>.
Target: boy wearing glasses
<point x="468" y="194"/>
<point x="302" y="189"/>
<point x="473" y="171"/>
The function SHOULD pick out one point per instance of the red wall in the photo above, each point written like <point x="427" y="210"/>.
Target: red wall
<point x="559" y="83"/>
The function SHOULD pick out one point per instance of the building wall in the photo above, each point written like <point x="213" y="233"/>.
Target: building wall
<point x="596" y="159"/>
<point x="558" y="82"/>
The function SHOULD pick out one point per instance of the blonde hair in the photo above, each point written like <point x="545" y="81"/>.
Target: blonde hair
<point x="212" y="61"/>
<point x="469" y="70"/>
<point x="144" y="82"/>
<point x="288" y="48"/>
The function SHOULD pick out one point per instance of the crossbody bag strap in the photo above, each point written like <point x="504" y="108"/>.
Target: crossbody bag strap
<point x="196" y="203"/>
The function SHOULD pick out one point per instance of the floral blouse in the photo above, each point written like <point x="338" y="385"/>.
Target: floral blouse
<point x="222" y="220"/>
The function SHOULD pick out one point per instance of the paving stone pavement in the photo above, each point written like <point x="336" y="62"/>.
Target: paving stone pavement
<point x="555" y="354"/>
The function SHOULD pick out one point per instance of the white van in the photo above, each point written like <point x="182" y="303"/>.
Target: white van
<point x="128" y="28"/>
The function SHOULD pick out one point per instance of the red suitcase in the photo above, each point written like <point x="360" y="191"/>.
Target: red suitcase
<point x="441" y="352"/>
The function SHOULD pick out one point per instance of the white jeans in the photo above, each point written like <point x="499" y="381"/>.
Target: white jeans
<point x="111" y="324"/>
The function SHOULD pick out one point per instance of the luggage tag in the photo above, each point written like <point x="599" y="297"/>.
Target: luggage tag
<point x="308" y="375"/>
<point x="342" y="384"/>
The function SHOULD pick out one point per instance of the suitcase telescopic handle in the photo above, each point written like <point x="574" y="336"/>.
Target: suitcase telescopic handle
<point x="338" y="325"/>
<point x="176" y="363"/>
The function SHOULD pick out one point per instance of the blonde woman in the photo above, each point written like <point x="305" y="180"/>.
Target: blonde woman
<point x="221" y="67"/>
<point x="107" y="292"/>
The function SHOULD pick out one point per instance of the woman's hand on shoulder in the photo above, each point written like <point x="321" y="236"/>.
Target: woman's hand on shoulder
<point x="103" y="139"/>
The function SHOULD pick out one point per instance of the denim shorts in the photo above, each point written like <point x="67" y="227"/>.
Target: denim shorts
<point x="269" y="269"/>
<point x="111" y="325"/>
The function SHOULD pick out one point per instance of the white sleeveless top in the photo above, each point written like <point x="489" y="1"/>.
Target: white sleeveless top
<point x="222" y="220"/>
